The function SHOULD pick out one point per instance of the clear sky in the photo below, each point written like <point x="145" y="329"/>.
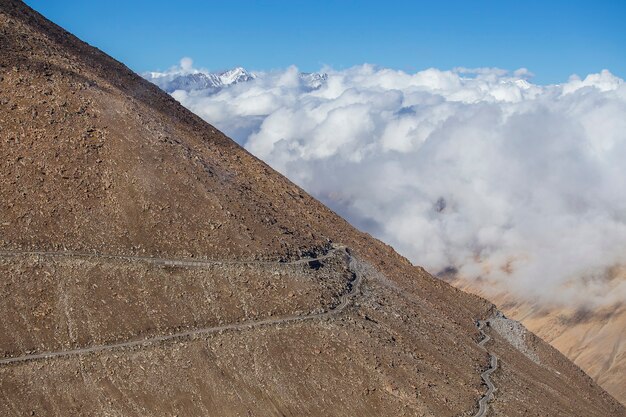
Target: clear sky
<point x="553" y="39"/>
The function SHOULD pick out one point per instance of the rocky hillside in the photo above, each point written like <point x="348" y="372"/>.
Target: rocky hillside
<point x="592" y="337"/>
<point x="151" y="266"/>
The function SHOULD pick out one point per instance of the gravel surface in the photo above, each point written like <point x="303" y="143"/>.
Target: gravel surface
<point x="515" y="333"/>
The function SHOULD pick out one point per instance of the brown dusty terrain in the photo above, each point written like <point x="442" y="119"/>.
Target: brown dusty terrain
<point x="103" y="175"/>
<point x="593" y="338"/>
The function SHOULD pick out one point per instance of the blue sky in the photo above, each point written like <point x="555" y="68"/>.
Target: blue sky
<point x="553" y="39"/>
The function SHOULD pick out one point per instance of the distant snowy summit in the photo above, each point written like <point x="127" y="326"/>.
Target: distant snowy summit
<point x="215" y="81"/>
<point x="314" y="80"/>
<point x="198" y="80"/>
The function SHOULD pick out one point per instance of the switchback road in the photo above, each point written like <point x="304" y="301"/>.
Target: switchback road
<point x="483" y="403"/>
<point x="352" y="287"/>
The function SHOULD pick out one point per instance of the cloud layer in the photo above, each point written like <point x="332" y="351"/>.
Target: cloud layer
<point x="474" y="171"/>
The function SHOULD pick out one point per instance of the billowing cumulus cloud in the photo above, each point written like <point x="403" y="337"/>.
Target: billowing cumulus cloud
<point x="479" y="172"/>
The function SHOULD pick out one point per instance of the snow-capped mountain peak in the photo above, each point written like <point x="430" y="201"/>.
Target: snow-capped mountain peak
<point x="198" y="80"/>
<point x="236" y="75"/>
<point x="194" y="80"/>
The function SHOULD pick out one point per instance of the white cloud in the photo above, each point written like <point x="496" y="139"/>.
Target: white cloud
<point x="186" y="64"/>
<point x="479" y="170"/>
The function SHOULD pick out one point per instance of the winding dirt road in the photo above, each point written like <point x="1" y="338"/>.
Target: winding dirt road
<point x="357" y="268"/>
<point x="352" y="288"/>
<point x="483" y="403"/>
<point x="198" y="263"/>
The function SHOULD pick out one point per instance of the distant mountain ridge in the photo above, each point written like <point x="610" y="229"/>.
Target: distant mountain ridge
<point x="198" y="80"/>
<point x="195" y="80"/>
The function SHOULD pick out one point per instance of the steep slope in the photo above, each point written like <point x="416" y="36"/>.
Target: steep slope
<point x="594" y="340"/>
<point x="591" y="337"/>
<point x="151" y="266"/>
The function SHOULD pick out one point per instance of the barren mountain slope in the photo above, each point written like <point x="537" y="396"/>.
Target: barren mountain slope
<point x="593" y="338"/>
<point x="151" y="266"/>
